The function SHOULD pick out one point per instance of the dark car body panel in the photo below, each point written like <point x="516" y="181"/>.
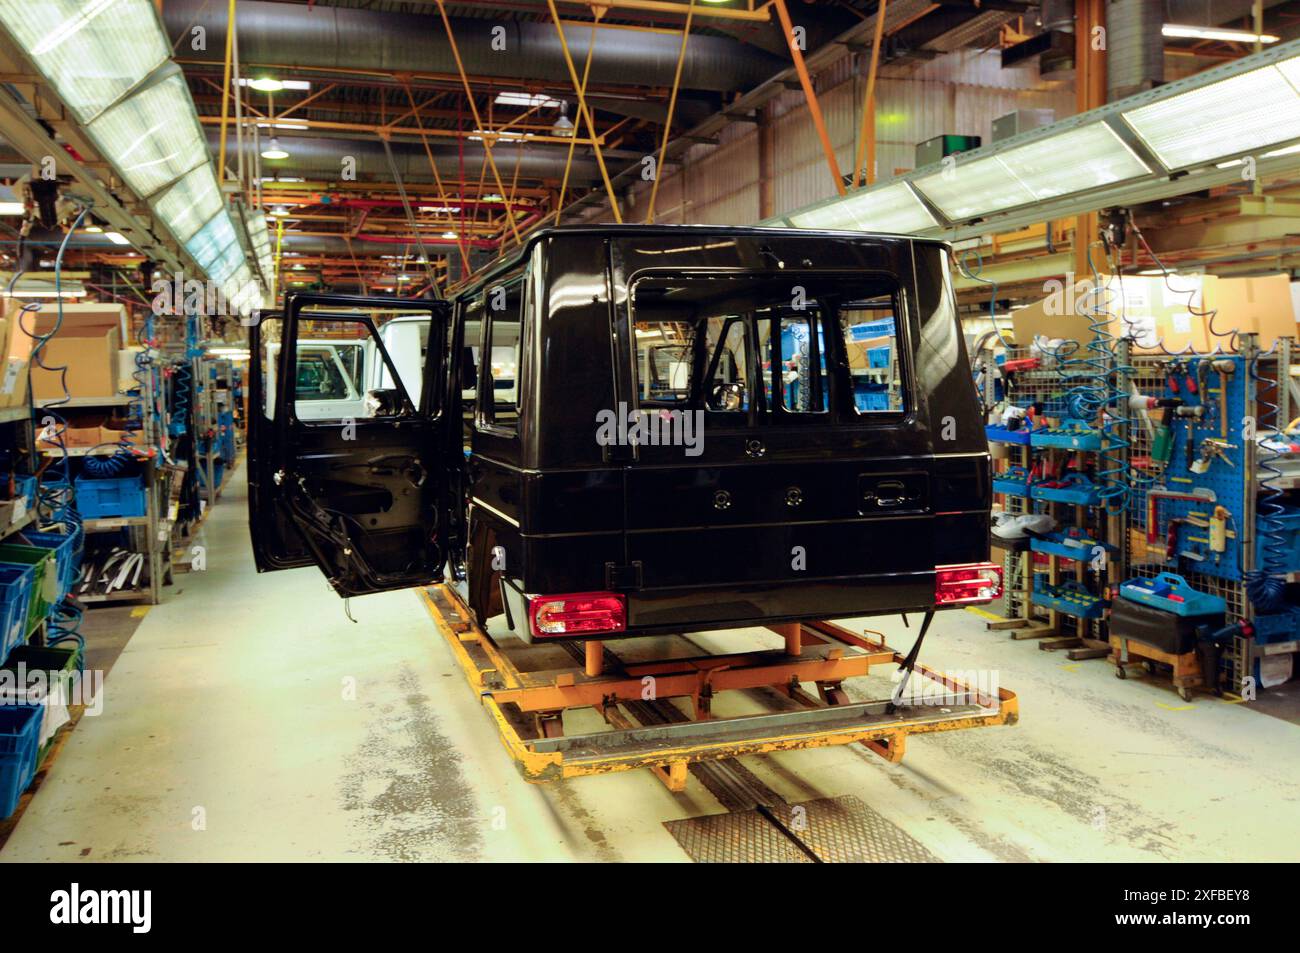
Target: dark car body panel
<point x="881" y="500"/>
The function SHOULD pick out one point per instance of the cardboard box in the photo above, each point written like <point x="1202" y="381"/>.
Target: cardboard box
<point x="83" y="431"/>
<point x="133" y="437"/>
<point x="126" y="368"/>
<point x="90" y="355"/>
<point x="1262" y="305"/>
<point x="1154" y="311"/>
<point x="14" y="357"/>
<point x="87" y="342"/>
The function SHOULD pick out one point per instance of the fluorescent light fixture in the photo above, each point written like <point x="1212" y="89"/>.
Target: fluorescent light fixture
<point x="479" y="134"/>
<point x="893" y="208"/>
<point x="1185" y="32"/>
<point x="223" y="351"/>
<point x="526" y="99"/>
<point x="440" y="209"/>
<point x="283" y="125"/>
<point x="1097" y="156"/>
<point x="449" y="235"/>
<point x="272" y="180"/>
<point x="1240" y="114"/>
<point x="279" y="211"/>
<point x="268" y="84"/>
<point x="273" y="150"/>
<point x="117" y="238"/>
<point x="1033" y="173"/>
<point x="211" y="241"/>
<point x="153" y="137"/>
<point x="1286" y="151"/>
<point x="92" y="229"/>
<point x="91" y="52"/>
<point x="188" y="204"/>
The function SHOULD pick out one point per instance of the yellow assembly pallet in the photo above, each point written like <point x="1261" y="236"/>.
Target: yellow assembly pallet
<point x="527" y="706"/>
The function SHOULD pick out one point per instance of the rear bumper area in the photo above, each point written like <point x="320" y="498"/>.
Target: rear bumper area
<point x="700" y="609"/>
<point x="695" y="609"/>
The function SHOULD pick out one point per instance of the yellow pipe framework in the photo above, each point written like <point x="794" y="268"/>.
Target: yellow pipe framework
<point x="586" y="74"/>
<point x="437" y="178"/>
<point x="225" y="91"/>
<point x="585" y="113"/>
<point x="478" y="122"/>
<point x="668" y="120"/>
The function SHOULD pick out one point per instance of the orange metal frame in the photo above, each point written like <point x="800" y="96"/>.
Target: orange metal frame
<point x="527" y="705"/>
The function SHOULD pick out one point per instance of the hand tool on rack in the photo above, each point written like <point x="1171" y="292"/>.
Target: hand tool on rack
<point x="1198" y="494"/>
<point x="1212" y="449"/>
<point x="1225" y="368"/>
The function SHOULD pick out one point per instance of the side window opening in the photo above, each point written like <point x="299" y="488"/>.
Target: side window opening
<point x="871" y="342"/>
<point x="760" y="346"/>
<point x="501" y="361"/>
<point x="329" y="359"/>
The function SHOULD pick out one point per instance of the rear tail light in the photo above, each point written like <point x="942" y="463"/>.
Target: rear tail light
<point x="577" y="613"/>
<point x="974" y="582"/>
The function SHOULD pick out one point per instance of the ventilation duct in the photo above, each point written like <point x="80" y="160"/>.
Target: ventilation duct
<point x="337" y="38"/>
<point x="1135" y="56"/>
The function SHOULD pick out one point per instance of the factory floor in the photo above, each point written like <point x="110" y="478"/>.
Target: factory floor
<point x="248" y="718"/>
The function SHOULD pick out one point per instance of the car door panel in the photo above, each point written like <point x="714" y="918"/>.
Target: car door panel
<point x="367" y="494"/>
<point x="275" y="540"/>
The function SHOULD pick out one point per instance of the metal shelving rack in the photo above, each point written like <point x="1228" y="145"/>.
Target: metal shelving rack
<point x="1081" y="638"/>
<point x="149" y="534"/>
<point x="209" y="402"/>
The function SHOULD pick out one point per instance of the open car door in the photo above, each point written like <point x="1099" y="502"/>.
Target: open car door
<point x="276" y="544"/>
<point x="366" y="493"/>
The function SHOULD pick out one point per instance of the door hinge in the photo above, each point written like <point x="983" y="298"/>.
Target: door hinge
<point x="623" y="577"/>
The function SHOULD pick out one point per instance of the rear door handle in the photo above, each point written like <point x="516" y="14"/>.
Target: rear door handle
<point x="897" y="494"/>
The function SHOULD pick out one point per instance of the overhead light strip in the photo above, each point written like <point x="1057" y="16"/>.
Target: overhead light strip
<point x="1114" y="153"/>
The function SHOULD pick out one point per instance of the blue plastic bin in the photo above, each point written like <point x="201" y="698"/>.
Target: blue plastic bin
<point x="15" y="599"/>
<point x="20" y="732"/>
<point x="24" y="488"/>
<point x="67" y="555"/>
<point x="1170" y="592"/>
<point x="104" y="498"/>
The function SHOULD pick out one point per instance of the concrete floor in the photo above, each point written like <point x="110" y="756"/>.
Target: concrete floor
<point x="248" y="719"/>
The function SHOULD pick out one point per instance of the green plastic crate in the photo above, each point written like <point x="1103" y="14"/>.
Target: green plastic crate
<point x="61" y="665"/>
<point x="45" y="585"/>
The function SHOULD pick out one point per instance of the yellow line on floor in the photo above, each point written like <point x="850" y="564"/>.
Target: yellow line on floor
<point x="988" y="615"/>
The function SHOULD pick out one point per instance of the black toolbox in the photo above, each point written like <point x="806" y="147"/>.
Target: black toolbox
<point x="1166" y="631"/>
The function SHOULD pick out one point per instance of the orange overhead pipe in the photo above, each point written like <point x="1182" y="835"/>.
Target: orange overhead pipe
<point x="1090" y="92"/>
<point x="866" y="154"/>
<point x="814" y="109"/>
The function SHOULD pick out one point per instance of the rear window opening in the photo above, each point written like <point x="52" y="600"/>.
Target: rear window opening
<point x="753" y="348"/>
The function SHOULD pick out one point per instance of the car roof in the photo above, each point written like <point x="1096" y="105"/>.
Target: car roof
<point x="512" y="258"/>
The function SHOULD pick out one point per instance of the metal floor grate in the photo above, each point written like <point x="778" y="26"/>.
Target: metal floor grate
<point x="839" y="830"/>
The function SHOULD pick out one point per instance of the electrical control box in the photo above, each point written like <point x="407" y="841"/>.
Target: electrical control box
<point x="934" y="150"/>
